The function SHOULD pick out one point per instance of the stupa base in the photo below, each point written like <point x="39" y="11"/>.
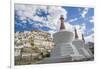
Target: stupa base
<point x="61" y="59"/>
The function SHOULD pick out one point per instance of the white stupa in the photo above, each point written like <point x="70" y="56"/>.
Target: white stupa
<point x="67" y="48"/>
<point x="80" y="45"/>
<point x="63" y="43"/>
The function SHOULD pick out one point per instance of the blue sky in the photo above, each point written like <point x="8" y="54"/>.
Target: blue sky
<point x="46" y="18"/>
<point x="75" y="12"/>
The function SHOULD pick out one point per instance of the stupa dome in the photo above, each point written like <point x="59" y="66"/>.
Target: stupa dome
<point x="63" y="37"/>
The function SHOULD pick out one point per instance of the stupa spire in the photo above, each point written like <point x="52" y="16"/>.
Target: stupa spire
<point x="62" y="26"/>
<point x="76" y="35"/>
<point x="83" y="38"/>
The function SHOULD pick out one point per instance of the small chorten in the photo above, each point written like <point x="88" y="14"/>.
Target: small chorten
<point x="76" y="35"/>
<point x="83" y="38"/>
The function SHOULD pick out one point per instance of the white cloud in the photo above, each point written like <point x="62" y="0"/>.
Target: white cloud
<point x="52" y="32"/>
<point x="83" y="28"/>
<point x="29" y="11"/>
<point x="92" y="20"/>
<point x="83" y="14"/>
<point x="55" y="13"/>
<point x="72" y="20"/>
<point x="90" y="38"/>
<point x="69" y="27"/>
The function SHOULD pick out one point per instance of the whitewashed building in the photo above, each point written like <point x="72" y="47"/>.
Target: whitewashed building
<point x="28" y="39"/>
